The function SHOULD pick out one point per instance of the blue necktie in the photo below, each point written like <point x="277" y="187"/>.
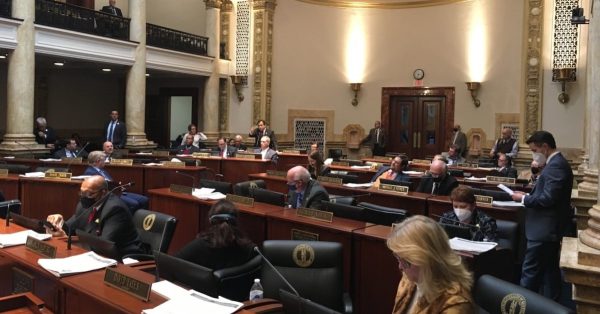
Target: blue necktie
<point x="299" y="200"/>
<point x="112" y="130"/>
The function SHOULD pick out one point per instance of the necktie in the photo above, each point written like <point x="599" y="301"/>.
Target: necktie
<point x="299" y="200"/>
<point x="112" y="130"/>
<point x="377" y="136"/>
<point x="114" y="11"/>
<point x="433" y="190"/>
<point x="455" y="136"/>
<point x="92" y="214"/>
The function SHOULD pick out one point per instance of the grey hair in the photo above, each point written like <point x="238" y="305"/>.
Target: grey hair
<point x="96" y="156"/>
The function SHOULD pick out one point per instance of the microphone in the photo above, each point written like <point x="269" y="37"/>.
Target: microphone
<point x="76" y="156"/>
<point x="7" y="216"/>
<point x="276" y="271"/>
<point x="189" y="176"/>
<point x="459" y="222"/>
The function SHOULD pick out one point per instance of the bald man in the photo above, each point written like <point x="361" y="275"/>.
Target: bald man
<point x="110" y="152"/>
<point x="103" y="215"/>
<point x="304" y="191"/>
<point x="437" y="181"/>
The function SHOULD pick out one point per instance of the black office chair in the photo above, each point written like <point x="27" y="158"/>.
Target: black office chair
<point x="155" y="230"/>
<point x="456" y="172"/>
<point x="382" y="215"/>
<point x="335" y="153"/>
<point x="496" y="194"/>
<point x="234" y="283"/>
<point x="219" y="186"/>
<point x="344" y="210"/>
<point x="14" y="168"/>
<point x="267" y="196"/>
<point x="189" y="274"/>
<point x="51" y="169"/>
<point x="346" y="200"/>
<point x="243" y="188"/>
<point x="307" y="265"/>
<point x="496" y="296"/>
<point x="11" y="206"/>
<point x="346" y="178"/>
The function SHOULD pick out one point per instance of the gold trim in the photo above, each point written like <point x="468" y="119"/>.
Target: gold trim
<point x="382" y="4"/>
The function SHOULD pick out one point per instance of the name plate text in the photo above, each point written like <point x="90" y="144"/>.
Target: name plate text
<point x="315" y="214"/>
<point x="394" y="188"/>
<point x="277" y="173"/>
<point x="122" y="162"/>
<point x="245" y="156"/>
<point x="127" y="284"/>
<point x="291" y="151"/>
<point x="330" y="180"/>
<point x="340" y="163"/>
<point x="3" y="172"/>
<point x="40" y="247"/>
<point x="240" y="199"/>
<point x="201" y="155"/>
<point x="301" y="235"/>
<point x="58" y="175"/>
<point x="482" y="199"/>
<point x="173" y="164"/>
<point x="500" y="179"/>
<point x="71" y="160"/>
<point x="176" y="188"/>
<point x="160" y="153"/>
<point x="421" y="161"/>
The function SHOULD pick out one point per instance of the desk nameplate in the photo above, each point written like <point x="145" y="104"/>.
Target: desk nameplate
<point x="421" y="161"/>
<point x="122" y="162"/>
<point x="3" y="172"/>
<point x="382" y="158"/>
<point x="127" y="284"/>
<point x="245" y="156"/>
<point x="40" y="247"/>
<point x="394" y="188"/>
<point x="315" y="214"/>
<point x="301" y="235"/>
<point x="330" y="180"/>
<point x="240" y="199"/>
<point x="291" y="151"/>
<point x="482" y="199"/>
<point x="493" y="179"/>
<point x="277" y="173"/>
<point x="162" y="153"/>
<point x="181" y="189"/>
<point x="174" y="164"/>
<point x="464" y="165"/>
<point x="58" y="175"/>
<point x="71" y="160"/>
<point x="201" y="155"/>
<point x="340" y="163"/>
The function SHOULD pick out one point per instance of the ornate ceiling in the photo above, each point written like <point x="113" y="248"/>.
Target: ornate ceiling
<point x="382" y="4"/>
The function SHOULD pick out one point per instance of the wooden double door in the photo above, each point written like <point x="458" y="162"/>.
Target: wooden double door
<point x="418" y="120"/>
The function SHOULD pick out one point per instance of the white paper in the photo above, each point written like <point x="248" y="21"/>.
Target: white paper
<point x="19" y="238"/>
<point x="413" y="172"/>
<point x="152" y="164"/>
<point x="472" y="178"/>
<point x="129" y="260"/>
<point x="144" y="153"/>
<point x="9" y="157"/>
<point x="75" y="264"/>
<point x="184" y="155"/>
<point x="507" y="204"/>
<point x="82" y="177"/>
<point x="360" y="167"/>
<point x="33" y="175"/>
<point x="359" y="185"/>
<point x="460" y="244"/>
<point x="195" y="302"/>
<point x="487" y="168"/>
<point x="506" y="189"/>
<point x="175" y="160"/>
<point x="339" y="172"/>
<point x="50" y="159"/>
<point x="168" y="290"/>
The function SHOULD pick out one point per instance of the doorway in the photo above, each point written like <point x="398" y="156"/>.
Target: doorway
<point x="417" y="119"/>
<point x="169" y="114"/>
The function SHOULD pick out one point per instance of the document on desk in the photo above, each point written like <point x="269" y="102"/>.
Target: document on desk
<point x="359" y="185"/>
<point x="460" y="244"/>
<point x="410" y="172"/>
<point x="472" y="178"/>
<point x="33" y="175"/>
<point x="19" y="238"/>
<point x="506" y="189"/>
<point x="76" y="264"/>
<point x="507" y="204"/>
<point x="195" y="302"/>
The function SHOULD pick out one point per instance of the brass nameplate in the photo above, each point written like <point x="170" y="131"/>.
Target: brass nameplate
<point x="330" y="180"/>
<point x="382" y="158"/>
<point x="181" y="189"/>
<point x="174" y="164"/>
<point x="71" y="160"/>
<point x="501" y="179"/>
<point x="315" y="214"/>
<point x="421" y="161"/>
<point x="22" y="281"/>
<point x="475" y="166"/>
<point x="3" y="172"/>
<point x="245" y="156"/>
<point x="122" y="162"/>
<point x="127" y="284"/>
<point x="463" y="164"/>
<point x="201" y="155"/>
<point x="58" y="175"/>
<point x="482" y="199"/>
<point x="240" y="199"/>
<point x="40" y="247"/>
<point x="340" y="163"/>
<point x="160" y="153"/>
<point x="301" y="235"/>
<point x="277" y="173"/>
<point x="394" y="188"/>
<point x="291" y="151"/>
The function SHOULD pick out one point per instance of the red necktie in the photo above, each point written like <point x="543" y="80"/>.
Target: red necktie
<point x="92" y="214"/>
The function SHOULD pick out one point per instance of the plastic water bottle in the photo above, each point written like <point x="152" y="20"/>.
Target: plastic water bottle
<point x="256" y="292"/>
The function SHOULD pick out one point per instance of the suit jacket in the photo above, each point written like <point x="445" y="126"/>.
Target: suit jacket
<point x="91" y="171"/>
<point x="461" y="143"/>
<point x="313" y="195"/>
<point x="268" y="132"/>
<point x="119" y="134"/>
<point x="241" y="147"/>
<point x="49" y="139"/>
<point x="111" y="222"/>
<point x="63" y="153"/>
<point x="509" y="172"/>
<point x="456" y="161"/>
<point x="107" y="9"/>
<point x="400" y="177"/>
<point x="116" y="154"/>
<point x="190" y="150"/>
<point x="271" y="155"/>
<point x="444" y="187"/>
<point x="371" y="139"/>
<point x="230" y="151"/>
<point x="548" y="206"/>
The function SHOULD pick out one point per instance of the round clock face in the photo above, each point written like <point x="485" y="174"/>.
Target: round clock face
<point x="419" y="74"/>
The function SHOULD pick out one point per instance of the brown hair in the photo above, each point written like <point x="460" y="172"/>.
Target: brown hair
<point x="463" y="194"/>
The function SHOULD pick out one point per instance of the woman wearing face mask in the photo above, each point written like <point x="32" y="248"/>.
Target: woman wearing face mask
<point x="434" y="280"/>
<point x="465" y="212"/>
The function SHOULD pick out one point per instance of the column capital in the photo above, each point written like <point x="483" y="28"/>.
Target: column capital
<point x="213" y="4"/>
<point x="264" y="4"/>
<point x="227" y="6"/>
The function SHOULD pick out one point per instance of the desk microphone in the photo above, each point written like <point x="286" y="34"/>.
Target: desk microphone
<point x="276" y="271"/>
<point x="76" y="156"/>
<point x="8" y="203"/>
<point x="189" y="176"/>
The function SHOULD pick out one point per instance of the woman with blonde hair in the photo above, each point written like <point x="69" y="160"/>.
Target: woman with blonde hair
<point x="434" y="280"/>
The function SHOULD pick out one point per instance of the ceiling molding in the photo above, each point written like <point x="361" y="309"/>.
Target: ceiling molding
<point x="382" y="4"/>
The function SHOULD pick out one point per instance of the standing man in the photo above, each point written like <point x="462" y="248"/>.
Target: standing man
<point x="111" y="8"/>
<point x="261" y="130"/>
<point x="44" y="134"/>
<point x="547" y="215"/>
<point x="304" y="191"/>
<point x="376" y="139"/>
<point x="460" y="140"/>
<point x="225" y="150"/>
<point x="115" y="131"/>
<point x="506" y="144"/>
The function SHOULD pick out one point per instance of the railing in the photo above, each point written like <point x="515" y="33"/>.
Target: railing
<point x="5" y="8"/>
<point x="66" y="16"/>
<point x="171" y="39"/>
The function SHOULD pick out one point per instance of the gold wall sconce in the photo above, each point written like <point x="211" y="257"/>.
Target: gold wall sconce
<point x="238" y="82"/>
<point x="563" y="76"/>
<point x="355" y="88"/>
<point x="473" y="87"/>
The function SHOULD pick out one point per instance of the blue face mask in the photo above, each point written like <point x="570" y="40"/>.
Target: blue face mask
<point x="292" y="187"/>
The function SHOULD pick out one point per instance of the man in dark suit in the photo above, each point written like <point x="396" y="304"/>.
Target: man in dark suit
<point x="188" y="148"/>
<point x="70" y="151"/>
<point x="260" y="131"/>
<point x="505" y="168"/>
<point x="225" y="150"/>
<point x="266" y="152"/>
<point x="110" y="152"/>
<point x="376" y="140"/>
<point x="112" y="8"/>
<point x="438" y="181"/>
<point x="393" y="171"/>
<point x="304" y="191"/>
<point x="548" y="214"/>
<point x="115" y="131"/>
<point x="460" y="140"/>
<point x="44" y="134"/>
<point x="239" y="143"/>
<point x="102" y="214"/>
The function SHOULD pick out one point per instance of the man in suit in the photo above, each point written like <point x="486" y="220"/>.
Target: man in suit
<point x="115" y="131"/>
<point x="44" y="134"/>
<point x="548" y="214"/>
<point x="225" y="150"/>
<point x="304" y="191"/>
<point x="393" y="171"/>
<point x="260" y="131"/>
<point x="102" y="214"/>
<point x="438" y="181"/>
<point x="460" y="140"/>
<point x="70" y="151"/>
<point x="505" y="168"/>
<point x="96" y="161"/>
<point x="506" y="144"/>
<point x="239" y="143"/>
<point x="454" y="158"/>
<point x="266" y="152"/>
<point x="376" y="139"/>
<point x="188" y="148"/>
<point x="111" y="8"/>
<point x="110" y="152"/>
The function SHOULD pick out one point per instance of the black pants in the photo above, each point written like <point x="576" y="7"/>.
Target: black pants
<point x="378" y="150"/>
<point x="541" y="268"/>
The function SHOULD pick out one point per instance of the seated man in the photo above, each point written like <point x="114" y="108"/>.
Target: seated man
<point x="438" y="181"/>
<point x="532" y="174"/>
<point x="224" y="150"/>
<point x="304" y="191"/>
<point x="393" y="171"/>
<point x="239" y="143"/>
<point x="465" y="213"/>
<point x="100" y="213"/>
<point x="505" y="168"/>
<point x="96" y="159"/>
<point x="70" y="151"/>
<point x="110" y="152"/>
<point x="266" y="152"/>
<point x="188" y="148"/>
<point x="454" y="157"/>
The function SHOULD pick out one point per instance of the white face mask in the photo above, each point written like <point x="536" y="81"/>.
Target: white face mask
<point x="463" y="214"/>
<point x="539" y="158"/>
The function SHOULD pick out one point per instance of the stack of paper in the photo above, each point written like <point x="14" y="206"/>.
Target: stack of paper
<point x="359" y="185"/>
<point x="81" y="263"/>
<point x="361" y="167"/>
<point x="413" y="172"/>
<point x="144" y="153"/>
<point x="507" y="204"/>
<point x="472" y="178"/>
<point x="208" y="194"/>
<point x="50" y="159"/>
<point x="195" y="302"/>
<point x="81" y="177"/>
<point x="33" y="175"/>
<point x="19" y="238"/>
<point x="152" y="164"/>
<point x="460" y="244"/>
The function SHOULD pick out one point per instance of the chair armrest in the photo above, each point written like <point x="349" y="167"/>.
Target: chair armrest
<point x="140" y="257"/>
<point x="254" y="263"/>
<point x="348" y="308"/>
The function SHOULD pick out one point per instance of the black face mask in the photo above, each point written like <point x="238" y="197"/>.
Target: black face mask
<point x="87" y="202"/>
<point x="535" y="170"/>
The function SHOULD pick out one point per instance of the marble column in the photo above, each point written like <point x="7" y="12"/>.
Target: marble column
<point x="263" y="12"/>
<point x="135" y="94"/>
<point x="224" y="85"/>
<point x="211" y="88"/>
<point x="20" y="88"/>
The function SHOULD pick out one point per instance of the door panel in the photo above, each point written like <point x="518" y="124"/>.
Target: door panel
<point x="401" y="124"/>
<point x="430" y="126"/>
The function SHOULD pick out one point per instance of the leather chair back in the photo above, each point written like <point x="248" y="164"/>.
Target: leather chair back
<point x="12" y="168"/>
<point x="267" y="196"/>
<point x="382" y="215"/>
<point x="186" y="273"/>
<point x="243" y="188"/>
<point x="234" y="282"/>
<point x="223" y="187"/>
<point x="345" y="210"/>
<point x="155" y="229"/>
<point x="496" y="296"/>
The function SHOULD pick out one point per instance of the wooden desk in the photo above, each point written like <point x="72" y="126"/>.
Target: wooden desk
<point x="41" y="197"/>
<point x="287" y="161"/>
<point x="9" y="186"/>
<point x="236" y="170"/>
<point x="159" y="176"/>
